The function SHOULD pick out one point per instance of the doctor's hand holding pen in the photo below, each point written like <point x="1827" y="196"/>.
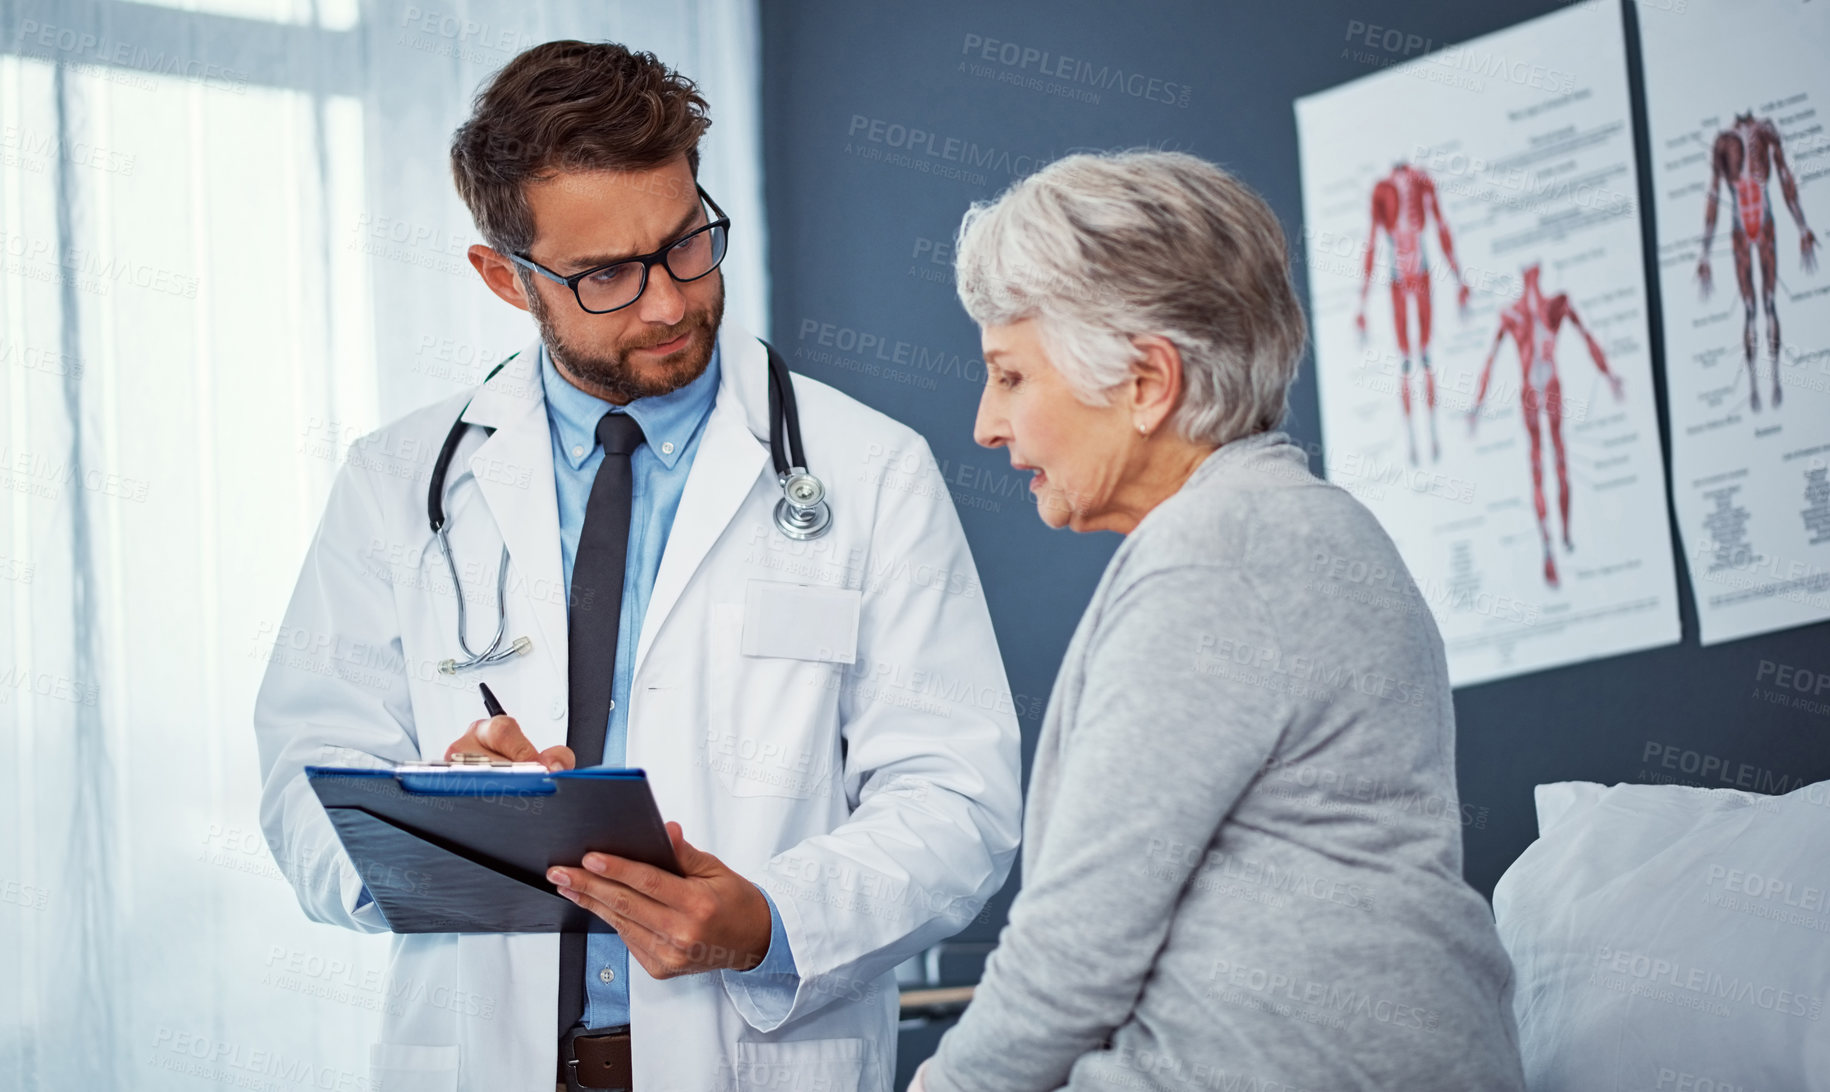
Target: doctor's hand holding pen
<point x="500" y="736"/>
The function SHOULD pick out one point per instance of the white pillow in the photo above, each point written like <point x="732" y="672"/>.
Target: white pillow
<point x="1672" y="938"/>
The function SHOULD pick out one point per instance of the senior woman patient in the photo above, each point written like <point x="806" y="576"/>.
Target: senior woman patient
<point x="1242" y="853"/>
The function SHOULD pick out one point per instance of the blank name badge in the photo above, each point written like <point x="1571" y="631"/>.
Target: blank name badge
<point x="801" y="622"/>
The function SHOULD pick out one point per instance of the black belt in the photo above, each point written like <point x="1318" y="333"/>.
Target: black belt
<point x="595" y="1060"/>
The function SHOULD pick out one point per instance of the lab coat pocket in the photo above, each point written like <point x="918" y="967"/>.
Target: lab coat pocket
<point x="801" y="622"/>
<point x="808" y="1065"/>
<point x="773" y="726"/>
<point x="406" y="1067"/>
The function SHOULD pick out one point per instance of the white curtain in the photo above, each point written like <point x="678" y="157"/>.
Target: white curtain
<point x="229" y="245"/>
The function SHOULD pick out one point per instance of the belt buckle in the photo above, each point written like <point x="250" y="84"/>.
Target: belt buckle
<point x="572" y="1084"/>
<point x="568" y="1053"/>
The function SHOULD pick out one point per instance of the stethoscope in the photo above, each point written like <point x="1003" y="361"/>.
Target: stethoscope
<point x="801" y="514"/>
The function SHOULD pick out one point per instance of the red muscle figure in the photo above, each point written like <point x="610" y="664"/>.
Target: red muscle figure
<point x="1744" y="156"/>
<point x="1533" y="321"/>
<point x="1402" y="204"/>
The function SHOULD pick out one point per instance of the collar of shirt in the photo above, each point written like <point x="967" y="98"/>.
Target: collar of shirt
<point x="668" y="420"/>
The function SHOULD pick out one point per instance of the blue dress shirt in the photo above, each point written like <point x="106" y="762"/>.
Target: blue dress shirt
<point x="671" y="426"/>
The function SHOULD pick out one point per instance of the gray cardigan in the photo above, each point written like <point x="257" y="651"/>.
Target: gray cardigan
<point x="1242" y="853"/>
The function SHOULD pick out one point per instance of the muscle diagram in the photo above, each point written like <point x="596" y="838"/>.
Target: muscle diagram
<point x="1743" y="158"/>
<point x="1533" y="322"/>
<point x="1403" y="203"/>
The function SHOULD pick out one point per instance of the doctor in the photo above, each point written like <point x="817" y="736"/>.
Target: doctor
<point x="825" y="720"/>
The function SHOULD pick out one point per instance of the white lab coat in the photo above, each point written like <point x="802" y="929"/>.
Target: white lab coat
<point x="870" y="857"/>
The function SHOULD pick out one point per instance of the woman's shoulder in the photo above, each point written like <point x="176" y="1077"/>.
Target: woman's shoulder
<point x="1253" y="504"/>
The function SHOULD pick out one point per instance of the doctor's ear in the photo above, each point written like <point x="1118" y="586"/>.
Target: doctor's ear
<point x="500" y="274"/>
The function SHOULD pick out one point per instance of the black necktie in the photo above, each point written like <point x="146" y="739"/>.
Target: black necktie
<point x="596" y="609"/>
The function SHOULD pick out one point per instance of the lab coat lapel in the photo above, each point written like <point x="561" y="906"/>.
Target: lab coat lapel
<point x="514" y="472"/>
<point x="725" y="469"/>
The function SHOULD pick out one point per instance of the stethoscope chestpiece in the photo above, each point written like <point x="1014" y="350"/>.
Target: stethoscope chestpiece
<point x="802" y="513"/>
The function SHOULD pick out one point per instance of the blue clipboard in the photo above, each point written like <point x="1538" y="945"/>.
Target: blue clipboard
<point x="466" y="851"/>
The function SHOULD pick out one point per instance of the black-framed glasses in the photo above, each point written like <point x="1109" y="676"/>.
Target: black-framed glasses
<point x="615" y="286"/>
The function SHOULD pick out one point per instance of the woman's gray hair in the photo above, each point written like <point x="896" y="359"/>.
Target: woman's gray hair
<point x="1107" y="247"/>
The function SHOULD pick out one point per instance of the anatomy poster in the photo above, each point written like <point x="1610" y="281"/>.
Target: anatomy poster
<point x="1479" y="309"/>
<point x="1737" y="92"/>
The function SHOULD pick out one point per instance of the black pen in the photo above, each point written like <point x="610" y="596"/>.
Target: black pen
<point x="494" y="709"/>
<point x="490" y="704"/>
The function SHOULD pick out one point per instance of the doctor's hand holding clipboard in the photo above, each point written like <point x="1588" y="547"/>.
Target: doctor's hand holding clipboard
<point x="706" y="919"/>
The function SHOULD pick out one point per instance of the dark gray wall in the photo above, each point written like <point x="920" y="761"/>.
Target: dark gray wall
<point x="856" y="259"/>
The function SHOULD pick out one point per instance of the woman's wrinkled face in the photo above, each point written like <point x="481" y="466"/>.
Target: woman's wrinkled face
<point x="1080" y="454"/>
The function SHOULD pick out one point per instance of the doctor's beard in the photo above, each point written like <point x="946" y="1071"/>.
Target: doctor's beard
<point x="611" y="375"/>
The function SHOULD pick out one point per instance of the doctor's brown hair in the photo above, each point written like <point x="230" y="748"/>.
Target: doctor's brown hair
<point x="568" y="106"/>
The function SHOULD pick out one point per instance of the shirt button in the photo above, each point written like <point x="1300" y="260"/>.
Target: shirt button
<point x="606" y="976"/>
<point x="559" y="709"/>
<point x="578" y="451"/>
<point x="667" y="448"/>
<point x="612" y="703"/>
